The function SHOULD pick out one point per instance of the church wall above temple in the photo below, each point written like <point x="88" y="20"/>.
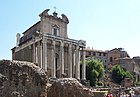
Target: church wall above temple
<point x="53" y="24"/>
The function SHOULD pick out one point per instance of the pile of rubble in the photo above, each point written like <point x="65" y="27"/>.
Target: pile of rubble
<point x="69" y="87"/>
<point x="21" y="79"/>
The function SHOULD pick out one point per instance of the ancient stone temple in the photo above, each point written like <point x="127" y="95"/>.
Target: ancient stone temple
<point x="46" y="43"/>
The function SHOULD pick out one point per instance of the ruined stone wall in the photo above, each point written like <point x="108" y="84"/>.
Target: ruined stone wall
<point x="21" y="79"/>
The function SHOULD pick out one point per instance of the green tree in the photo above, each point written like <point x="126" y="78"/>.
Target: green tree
<point x="129" y="75"/>
<point x="94" y="71"/>
<point x="118" y="74"/>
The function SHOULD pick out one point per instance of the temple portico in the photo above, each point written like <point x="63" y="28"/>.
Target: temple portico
<point x="58" y="50"/>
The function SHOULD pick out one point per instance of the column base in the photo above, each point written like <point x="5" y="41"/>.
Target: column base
<point x="85" y="82"/>
<point x="63" y="75"/>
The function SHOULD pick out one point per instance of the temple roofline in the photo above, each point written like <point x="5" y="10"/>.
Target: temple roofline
<point x="31" y="27"/>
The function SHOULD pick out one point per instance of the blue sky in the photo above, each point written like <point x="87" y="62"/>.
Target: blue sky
<point x="104" y="24"/>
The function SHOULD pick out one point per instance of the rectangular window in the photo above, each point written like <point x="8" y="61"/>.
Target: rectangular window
<point x="104" y="54"/>
<point x="111" y="59"/>
<point x="100" y="54"/>
<point x="55" y="31"/>
<point x="94" y="54"/>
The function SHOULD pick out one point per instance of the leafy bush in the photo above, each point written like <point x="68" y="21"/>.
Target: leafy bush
<point x="137" y="83"/>
<point x="94" y="71"/>
<point x="118" y="74"/>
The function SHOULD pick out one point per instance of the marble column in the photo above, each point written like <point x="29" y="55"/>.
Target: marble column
<point x="83" y="65"/>
<point x="37" y="54"/>
<point x="73" y="63"/>
<point x="53" y="60"/>
<point x="41" y="56"/>
<point x="77" y="62"/>
<point x="62" y="58"/>
<point x="70" y="61"/>
<point x="44" y="53"/>
<point x="34" y="53"/>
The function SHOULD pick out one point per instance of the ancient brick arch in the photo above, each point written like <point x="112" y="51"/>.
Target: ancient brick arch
<point x="22" y="79"/>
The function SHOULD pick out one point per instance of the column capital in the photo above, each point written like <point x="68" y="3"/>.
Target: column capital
<point x="77" y="47"/>
<point x="53" y="42"/>
<point x="70" y="45"/>
<point x="61" y="43"/>
<point x="44" y="40"/>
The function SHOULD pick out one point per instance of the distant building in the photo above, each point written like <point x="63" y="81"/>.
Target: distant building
<point x="108" y="57"/>
<point x="97" y="54"/>
<point x="114" y="54"/>
<point x="46" y="43"/>
<point x="127" y="63"/>
<point x="130" y="65"/>
<point x="137" y="60"/>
